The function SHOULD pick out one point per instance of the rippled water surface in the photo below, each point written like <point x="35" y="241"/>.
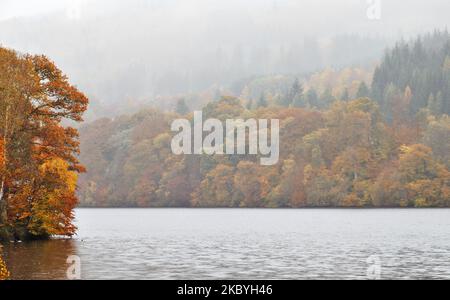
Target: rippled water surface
<point x="244" y="244"/>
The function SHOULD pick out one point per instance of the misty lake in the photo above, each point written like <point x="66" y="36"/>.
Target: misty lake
<point x="244" y="244"/>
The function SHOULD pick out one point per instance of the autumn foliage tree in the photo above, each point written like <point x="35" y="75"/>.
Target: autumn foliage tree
<point x="38" y="160"/>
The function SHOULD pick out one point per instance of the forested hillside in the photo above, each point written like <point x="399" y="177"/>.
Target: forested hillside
<point x="338" y="146"/>
<point x="344" y="156"/>
<point x="423" y="66"/>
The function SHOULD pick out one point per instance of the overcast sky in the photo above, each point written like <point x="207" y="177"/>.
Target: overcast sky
<point x="116" y="49"/>
<point x="20" y="8"/>
<point x="399" y="14"/>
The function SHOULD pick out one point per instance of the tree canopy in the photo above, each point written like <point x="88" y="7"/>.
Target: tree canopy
<point x="38" y="160"/>
<point x="346" y="155"/>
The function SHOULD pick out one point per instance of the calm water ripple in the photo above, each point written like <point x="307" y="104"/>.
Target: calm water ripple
<point x="244" y="244"/>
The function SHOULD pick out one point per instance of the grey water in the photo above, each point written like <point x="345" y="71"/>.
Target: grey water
<point x="244" y="244"/>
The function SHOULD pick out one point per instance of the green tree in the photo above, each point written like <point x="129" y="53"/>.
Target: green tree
<point x="327" y="98"/>
<point x="249" y="105"/>
<point x="437" y="137"/>
<point x="294" y="94"/>
<point x="262" y="102"/>
<point x="311" y="98"/>
<point x="181" y="107"/>
<point x="436" y="104"/>
<point x="345" y="95"/>
<point x="363" y="90"/>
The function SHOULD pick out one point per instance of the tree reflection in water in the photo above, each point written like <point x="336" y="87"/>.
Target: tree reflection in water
<point x="39" y="259"/>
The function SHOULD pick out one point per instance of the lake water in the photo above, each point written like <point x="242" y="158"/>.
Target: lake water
<point x="245" y="244"/>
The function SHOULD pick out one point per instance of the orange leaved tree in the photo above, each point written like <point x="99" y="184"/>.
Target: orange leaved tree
<point x="38" y="159"/>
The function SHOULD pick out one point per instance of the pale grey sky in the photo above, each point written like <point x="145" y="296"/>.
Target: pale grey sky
<point x="119" y="49"/>
<point x="398" y="12"/>
<point x="21" y="8"/>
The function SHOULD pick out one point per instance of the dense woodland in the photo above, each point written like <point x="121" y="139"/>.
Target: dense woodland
<point x="348" y="138"/>
<point x="38" y="155"/>
<point x="424" y="67"/>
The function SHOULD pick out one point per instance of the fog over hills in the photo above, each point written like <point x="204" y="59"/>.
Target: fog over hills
<point x="127" y="53"/>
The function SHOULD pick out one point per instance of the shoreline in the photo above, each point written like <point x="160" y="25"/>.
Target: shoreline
<point x="262" y="208"/>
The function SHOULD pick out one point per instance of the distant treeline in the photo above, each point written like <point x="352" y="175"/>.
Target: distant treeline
<point x="344" y="156"/>
<point x="344" y="142"/>
<point x="422" y="66"/>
